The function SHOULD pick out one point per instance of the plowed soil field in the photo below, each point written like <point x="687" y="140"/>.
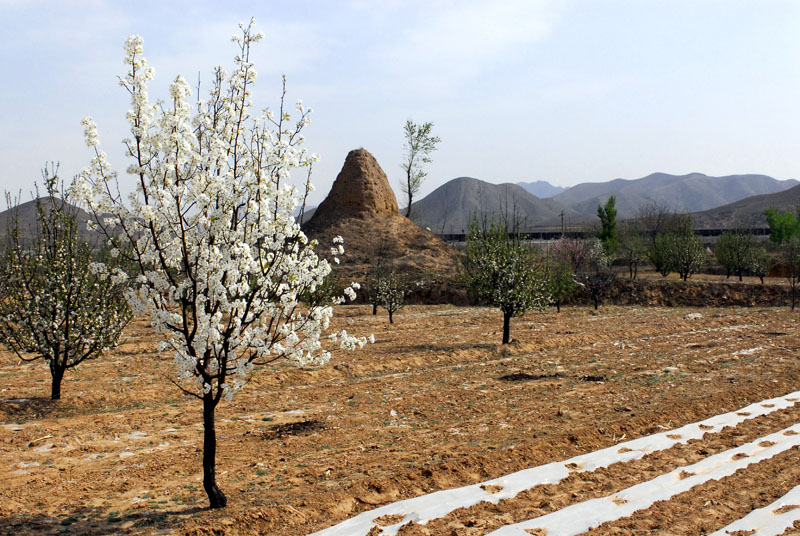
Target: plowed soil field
<point x="436" y="403"/>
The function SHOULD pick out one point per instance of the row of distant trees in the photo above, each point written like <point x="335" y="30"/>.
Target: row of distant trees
<point x="501" y="270"/>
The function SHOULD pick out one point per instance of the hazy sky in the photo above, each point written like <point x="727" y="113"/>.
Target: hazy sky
<point x="567" y="91"/>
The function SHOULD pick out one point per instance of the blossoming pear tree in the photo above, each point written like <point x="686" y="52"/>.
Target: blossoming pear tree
<point x="222" y="263"/>
<point x="60" y="300"/>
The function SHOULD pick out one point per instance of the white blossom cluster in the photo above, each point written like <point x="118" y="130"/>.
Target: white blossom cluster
<point x="210" y="223"/>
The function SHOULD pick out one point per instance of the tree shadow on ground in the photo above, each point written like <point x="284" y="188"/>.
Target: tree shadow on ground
<point x="90" y="521"/>
<point x="449" y="347"/>
<point x="23" y="409"/>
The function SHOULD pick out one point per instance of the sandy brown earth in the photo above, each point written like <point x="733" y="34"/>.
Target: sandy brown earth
<point x="435" y="403"/>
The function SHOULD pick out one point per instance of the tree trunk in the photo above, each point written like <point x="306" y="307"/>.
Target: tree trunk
<point x="57" y="374"/>
<point x="558" y="306"/>
<point x="374" y="309"/>
<point x="410" y="195"/>
<point x="216" y="499"/>
<point x="740" y="276"/>
<point x="391" y="321"/>
<point x="506" y="328"/>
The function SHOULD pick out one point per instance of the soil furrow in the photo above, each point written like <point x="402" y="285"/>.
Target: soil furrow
<point x="580" y="486"/>
<point x="714" y="504"/>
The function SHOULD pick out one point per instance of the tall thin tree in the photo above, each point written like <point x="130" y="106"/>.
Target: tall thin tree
<point x="419" y="144"/>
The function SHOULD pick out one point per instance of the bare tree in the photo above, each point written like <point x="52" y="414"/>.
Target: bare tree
<point x="653" y="219"/>
<point x="632" y="246"/>
<point x="790" y="258"/>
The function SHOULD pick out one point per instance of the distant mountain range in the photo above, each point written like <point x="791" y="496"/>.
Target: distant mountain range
<point x="25" y="215"/>
<point x="748" y="212"/>
<point x="450" y="208"/>
<point x="684" y="193"/>
<point x="542" y="189"/>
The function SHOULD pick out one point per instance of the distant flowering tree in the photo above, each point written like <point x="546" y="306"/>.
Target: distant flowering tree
<point x="58" y="301"/>
<point x="599" y="278"/>
<point x="222" y="263"/>
<point x="574" y="250"/>
<point x="390" y="289"/>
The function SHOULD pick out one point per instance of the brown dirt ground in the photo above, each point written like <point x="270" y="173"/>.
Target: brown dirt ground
<point x="301" y="449"/>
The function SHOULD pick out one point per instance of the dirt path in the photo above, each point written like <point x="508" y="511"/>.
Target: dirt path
<point x="435" y="403"/>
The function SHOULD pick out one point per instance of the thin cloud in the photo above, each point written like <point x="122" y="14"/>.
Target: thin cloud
<point x="454" y="41"/>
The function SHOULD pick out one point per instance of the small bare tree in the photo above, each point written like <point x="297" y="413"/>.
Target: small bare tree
<point x="632" y="246"/>
<point x="61" y="301"/>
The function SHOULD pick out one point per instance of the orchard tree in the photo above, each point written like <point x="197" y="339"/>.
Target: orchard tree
<point x="598" y="278"/>
<point x="677" y="249"/>
<point x="61" y="300"/>
<point x="790" y="258"/>
<point x="419" y="144"/>
<point x="500" y="271"/>
<point x="222" y="262"/>
<point x="760" y="262"/>
<point x="632" y="246"/>
<point x="684" y="248"/>
<point x="660" y="255"/>
<point x="390" y="289"/>
<point x="572" y="250"/>
<point x="734" y="251"/>
<point x="560" y="281"/>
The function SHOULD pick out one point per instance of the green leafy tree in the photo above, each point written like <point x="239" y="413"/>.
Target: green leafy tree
<point x="560" y="281"/>
<point x="783" y="225"/>
<point x="419" y="144"/>
<point x="62" y="301"/>
<point x="500" y="271"/>
<point x="684" y="248"/>
<point x="608" y="225"/>
<point x="677" y="249"/>
<point x="734" y="251"/>
<point x="660" y="255"/>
